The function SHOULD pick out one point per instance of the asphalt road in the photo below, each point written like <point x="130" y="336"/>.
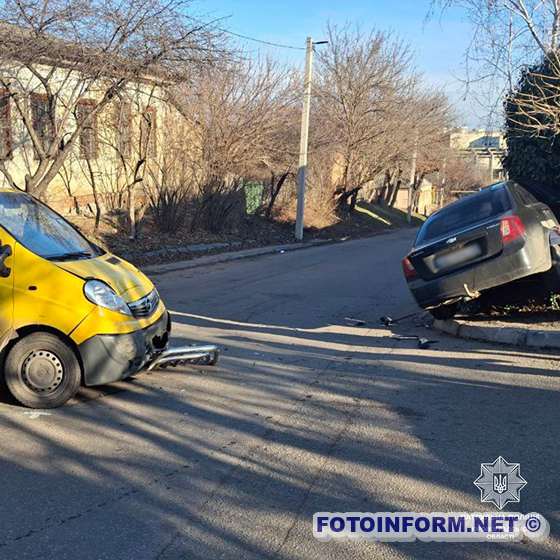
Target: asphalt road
<point x="304" y="414"/>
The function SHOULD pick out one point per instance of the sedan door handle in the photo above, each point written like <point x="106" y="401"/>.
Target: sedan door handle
<point x="5" y="252"/>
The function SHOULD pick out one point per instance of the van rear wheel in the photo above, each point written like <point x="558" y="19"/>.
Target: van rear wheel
<point x="42" y="371"/>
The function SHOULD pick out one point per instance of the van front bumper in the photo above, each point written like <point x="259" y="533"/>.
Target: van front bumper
<point x="107" y="358"/>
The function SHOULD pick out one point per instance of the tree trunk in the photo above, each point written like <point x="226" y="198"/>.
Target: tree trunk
<point x="396" y="190"/>
<point x="96" y="200"/>
<point x="274" y="192"/>
<point x="132" y="211"/>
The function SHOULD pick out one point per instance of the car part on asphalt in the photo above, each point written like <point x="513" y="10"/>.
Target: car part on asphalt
<point x="388" y="321"/>
<point x="423" y="343"/>
<point x="207" y="354"/>
<point x="354" y="322"/>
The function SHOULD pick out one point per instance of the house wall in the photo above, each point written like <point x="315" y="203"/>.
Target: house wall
<point x="427" y="202"/>
<point x="110" y="166"/>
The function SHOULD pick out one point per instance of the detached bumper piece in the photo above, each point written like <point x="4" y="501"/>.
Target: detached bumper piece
<point x="109" y="358"/>
<point x="207" y="354"/>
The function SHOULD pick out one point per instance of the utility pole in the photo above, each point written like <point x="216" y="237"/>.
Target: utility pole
<point x="304" y="139"/>
<point x="443" y="181"/>
<point x="412" y="177"/>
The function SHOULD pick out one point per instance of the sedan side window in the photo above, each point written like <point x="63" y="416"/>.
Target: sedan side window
<point x="526" y="197"/>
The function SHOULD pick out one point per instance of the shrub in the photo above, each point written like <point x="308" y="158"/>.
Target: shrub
<point x="219" y="206"/>
<point x="532" y="109"/>
<point x="168" y="207"/>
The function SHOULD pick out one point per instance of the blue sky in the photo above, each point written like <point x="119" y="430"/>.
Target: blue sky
<point x="438" y="44"/>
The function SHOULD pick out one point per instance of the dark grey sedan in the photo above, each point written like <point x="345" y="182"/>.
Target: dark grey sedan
<point x="483" y="240"/>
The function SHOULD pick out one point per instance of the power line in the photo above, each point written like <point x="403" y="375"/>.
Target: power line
<point x="269" y="43"/>
<point x="247" y="37"/>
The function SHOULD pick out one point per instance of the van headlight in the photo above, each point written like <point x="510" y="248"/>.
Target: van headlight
<point x="103" y="295"/>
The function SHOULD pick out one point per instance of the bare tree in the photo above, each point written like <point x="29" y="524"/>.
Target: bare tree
<point x="53" y="55"/>
<point x="172" y="179"/>
<point x="360" y="83"/>
<point x="461" y="176"/>
<point x="508" y="35"/>
<point x="433" y="122"/>
<point x="243" y="123"/>
<point x="241" y="115"/>
<point x="118" y="153"/>
<point x="370" y="110"/>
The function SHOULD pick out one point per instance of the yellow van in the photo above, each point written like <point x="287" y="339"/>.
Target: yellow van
<point x="70" y="312"/>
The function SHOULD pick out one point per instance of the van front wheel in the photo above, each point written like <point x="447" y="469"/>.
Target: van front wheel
<point x="42" y="371"/>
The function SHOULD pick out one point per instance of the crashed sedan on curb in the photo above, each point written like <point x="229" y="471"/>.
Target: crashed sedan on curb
<point x="483" y="240"/>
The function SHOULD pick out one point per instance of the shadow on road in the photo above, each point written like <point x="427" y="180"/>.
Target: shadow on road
<point x="232" y="462"/>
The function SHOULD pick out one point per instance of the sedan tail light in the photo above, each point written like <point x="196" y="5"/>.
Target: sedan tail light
<point x="511" y="228"/>
<point x="408" y="269"/>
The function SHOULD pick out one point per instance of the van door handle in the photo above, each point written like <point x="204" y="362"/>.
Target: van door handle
<point x="5" y="252"/>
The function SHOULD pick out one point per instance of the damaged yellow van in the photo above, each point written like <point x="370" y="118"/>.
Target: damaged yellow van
<point x="70" y="313"/>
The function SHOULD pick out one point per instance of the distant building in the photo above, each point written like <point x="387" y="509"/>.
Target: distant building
<point x="425" y="200"/>
<point x="486" y="149"/>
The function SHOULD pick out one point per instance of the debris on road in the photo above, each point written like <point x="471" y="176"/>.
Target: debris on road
<point x="388" y="321"/>
<point x="423" y="343"/>
<point x="34" y="414"/>
<point x="354" y="322"/>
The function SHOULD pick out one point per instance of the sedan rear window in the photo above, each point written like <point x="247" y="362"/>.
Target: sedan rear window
<point x="470" y="210"/>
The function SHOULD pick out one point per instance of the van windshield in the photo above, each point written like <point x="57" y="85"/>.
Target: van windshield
<point x="41" y="230"/>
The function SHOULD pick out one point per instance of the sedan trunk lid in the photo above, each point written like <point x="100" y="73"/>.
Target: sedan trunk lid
<point x="458" y="250"/>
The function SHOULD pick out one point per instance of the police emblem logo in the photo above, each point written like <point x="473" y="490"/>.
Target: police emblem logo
<point x="500" y="482"/>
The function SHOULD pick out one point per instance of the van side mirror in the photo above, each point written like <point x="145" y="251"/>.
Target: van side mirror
<point x="5" y="252"/>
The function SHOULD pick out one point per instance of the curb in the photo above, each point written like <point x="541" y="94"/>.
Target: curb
<point x="166" y="268"/>
<point x="529" y="338"/>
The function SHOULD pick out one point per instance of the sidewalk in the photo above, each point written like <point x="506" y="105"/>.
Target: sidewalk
<point x="165" y="268"/>
<point x="522" y="333"/>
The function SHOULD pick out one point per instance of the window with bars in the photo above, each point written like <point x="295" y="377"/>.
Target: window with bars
<point x="148" y="132"/>
<point x="5" y="126"/>
<point x="123" y="120"/>
<point x="42" y="118"/>
<point x="88" y="134"/>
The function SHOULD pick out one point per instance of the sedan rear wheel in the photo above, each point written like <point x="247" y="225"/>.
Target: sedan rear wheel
<point x="444" y="312"/>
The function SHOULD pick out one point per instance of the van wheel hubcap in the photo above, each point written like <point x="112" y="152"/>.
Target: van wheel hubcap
<point x="42" y="371"/>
